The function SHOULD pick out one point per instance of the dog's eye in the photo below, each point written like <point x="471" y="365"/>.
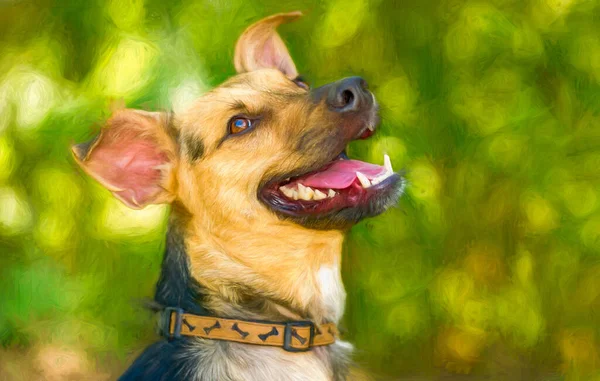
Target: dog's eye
<point x="301" y="82"/>
<point x="239" y="124"/>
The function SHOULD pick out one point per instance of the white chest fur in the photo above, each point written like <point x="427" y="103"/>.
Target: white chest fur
<point x="333" y="295"/>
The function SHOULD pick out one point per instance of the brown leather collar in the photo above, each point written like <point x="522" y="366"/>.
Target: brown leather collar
<point x="293" y="336"/>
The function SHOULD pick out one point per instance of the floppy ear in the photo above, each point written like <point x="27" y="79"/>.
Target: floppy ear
<point x="260" y="46"/>
<point x="133" y="157"/>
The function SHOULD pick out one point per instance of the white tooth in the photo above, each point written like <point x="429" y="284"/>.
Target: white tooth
<point x="288" y="192"/>
<point x="319" y="195"/>
<point x="331" y="193"/>
<point x="382" y="177"/>
<point x="310" y="193"/>
<point x="301" y="191"/>
<point x="371" y="127"/>
<point x="387" y="163"/>
<point x="294" y="194"/>
<point x="305" y="193"/>
<point x="364" y="181"/>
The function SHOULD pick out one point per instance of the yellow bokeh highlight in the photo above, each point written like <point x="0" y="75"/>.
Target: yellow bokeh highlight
<point x="506" y="150"/>
<point x="58" y="188"/>
<point x="116" y="219"/>
<point x="424" y="181"/>
<point x="580" y="198"/>
<point x="461" y="43"/>
<point x="16" y="215"/>
<point x="585" y="54"/>
<point x="545" y="14"/>
<point x="55" y="231"/>
<point x="335" y="30"/>
<point x="458" y="350"/>
<point x="540" y="215"/>
<point x="5" y="106"/>
<point x="452" y="290"/>
<point x="34" y="94"/>
<point x="7" y="158"/>
<point x="406" y="319"/>
<point x="126" y="14"/>
<point x="125" y="67"/>
<point x="392" y="146"/>
<point x="519" y="317"/>
<point x="523" y="267"/>
<point x="486" y="104"/>
<point x="476" y="314"/>
<point x="397" y="97"/>
<point x="590" y="233"/>
<point x="527" y="43"/>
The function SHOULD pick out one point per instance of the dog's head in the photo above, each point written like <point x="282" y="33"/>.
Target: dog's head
<point x="262" y="146"/>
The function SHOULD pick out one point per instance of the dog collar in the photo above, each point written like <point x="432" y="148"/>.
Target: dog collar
<point x="293" y="336"/>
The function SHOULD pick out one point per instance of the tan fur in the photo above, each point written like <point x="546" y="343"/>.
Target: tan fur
<point x="232" y="238"/>
<point x="240" y="251"/>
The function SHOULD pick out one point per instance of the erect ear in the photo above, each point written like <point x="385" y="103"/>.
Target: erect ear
<point x="133" y="157"/>
<point x="260" y="46"/>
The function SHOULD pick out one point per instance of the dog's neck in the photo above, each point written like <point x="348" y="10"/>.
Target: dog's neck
<point x="273" y="273"/>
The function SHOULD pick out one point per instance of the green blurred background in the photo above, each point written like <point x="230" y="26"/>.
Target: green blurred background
<point x="488" y="269"/>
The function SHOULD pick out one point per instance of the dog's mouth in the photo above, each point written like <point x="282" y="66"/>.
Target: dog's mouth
<point x="354" y="188"/>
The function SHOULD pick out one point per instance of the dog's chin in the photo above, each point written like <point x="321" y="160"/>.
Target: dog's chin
<point x="334" y="197"/>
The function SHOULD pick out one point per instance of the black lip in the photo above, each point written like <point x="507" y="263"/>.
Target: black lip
<point x="376" y="200"/>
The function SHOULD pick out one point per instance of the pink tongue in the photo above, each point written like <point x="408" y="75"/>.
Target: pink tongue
<point x="341" y="174"/>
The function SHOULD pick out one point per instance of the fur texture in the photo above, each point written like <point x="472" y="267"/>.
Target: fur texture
<point x="228" y="253"/>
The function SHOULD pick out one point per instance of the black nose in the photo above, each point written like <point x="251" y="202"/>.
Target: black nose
<point x="349" y="94"/>
<point x="346" y="95"/>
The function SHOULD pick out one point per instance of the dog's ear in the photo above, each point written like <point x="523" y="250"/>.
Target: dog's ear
<point x="260" y="46"/>
<point x="133" y="157"/>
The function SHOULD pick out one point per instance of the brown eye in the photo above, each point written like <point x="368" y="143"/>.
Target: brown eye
<point x="239" y="124"/>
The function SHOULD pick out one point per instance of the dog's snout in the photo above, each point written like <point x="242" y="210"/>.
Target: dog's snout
<point x="349" y="94"/>
<point x="346" y="95"/>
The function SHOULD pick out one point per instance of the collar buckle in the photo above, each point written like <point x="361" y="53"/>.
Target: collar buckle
<point x="166" y="322"/>
<point x="290" y="333"/>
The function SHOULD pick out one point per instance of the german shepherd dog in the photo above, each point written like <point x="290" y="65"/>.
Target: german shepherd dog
<point x="261" y="193"/>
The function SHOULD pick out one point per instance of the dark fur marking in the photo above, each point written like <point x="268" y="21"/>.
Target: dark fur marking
<point x="176" y="287"/>
<point x="194" y="147"/>
<point x="162" y="361"/>
<point x="309" y="139"/>
<point x="171" y="360"/>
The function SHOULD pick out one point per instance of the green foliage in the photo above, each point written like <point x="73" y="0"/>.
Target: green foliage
<point x="489" y="265"/>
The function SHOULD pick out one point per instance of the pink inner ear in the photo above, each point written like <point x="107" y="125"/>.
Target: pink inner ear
<point x="128" y="163"/>
<point x="274" y="54"/>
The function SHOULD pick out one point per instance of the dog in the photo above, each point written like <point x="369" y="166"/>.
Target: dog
<point x="261" y="193"/>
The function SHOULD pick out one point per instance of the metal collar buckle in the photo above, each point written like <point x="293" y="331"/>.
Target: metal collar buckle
<point x="166" y="322"/>
<point x="290" y="333"/>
